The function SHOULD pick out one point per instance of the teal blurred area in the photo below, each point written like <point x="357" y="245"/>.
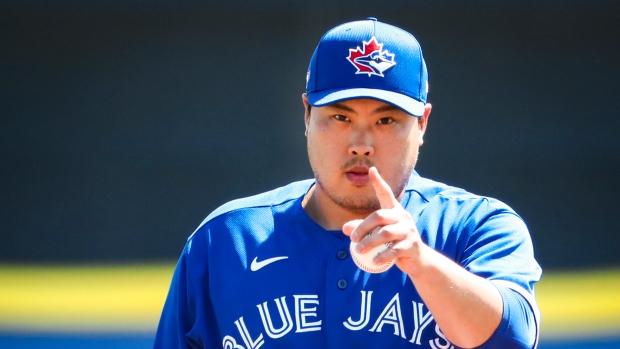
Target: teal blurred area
<point x="68" y="341"/>
<point x="33" y="341"/>
<point x="78" y="341"/>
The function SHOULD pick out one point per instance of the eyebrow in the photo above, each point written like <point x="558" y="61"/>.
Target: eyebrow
<point x="383" y="108"/>
<point x="341" y="106"/>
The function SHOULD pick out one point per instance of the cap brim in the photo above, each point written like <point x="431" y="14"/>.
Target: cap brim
<point x="326" y="97"/>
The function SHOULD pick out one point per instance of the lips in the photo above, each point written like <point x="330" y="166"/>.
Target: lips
<point x="358" y="175"/>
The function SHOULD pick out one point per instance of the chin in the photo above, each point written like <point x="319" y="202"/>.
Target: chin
<point x="357" y="204"/>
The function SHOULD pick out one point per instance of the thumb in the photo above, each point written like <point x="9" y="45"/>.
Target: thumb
<point x="350" y="226"/>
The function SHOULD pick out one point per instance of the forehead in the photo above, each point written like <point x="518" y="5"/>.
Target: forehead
<point x="364" y="105"/>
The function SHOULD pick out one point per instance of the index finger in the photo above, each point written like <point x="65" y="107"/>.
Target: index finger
<point x="382" y="190"/>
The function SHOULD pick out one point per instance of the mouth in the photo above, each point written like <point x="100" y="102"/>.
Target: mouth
<point x="358" y="175"/>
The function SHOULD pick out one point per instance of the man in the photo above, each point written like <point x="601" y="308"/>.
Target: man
<point x="275" y="270"/>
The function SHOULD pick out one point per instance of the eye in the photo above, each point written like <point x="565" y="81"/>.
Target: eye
<point x="385" y="121"/>
<point x="341" y="117"/>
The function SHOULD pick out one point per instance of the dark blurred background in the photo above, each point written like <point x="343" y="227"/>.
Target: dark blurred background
<point x="124" y="123"/>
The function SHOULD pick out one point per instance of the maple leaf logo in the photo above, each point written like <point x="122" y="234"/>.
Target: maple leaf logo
<point x="371" y="60"/>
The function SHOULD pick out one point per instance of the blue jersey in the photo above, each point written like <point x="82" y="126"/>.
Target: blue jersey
<point x="260" y="273"/>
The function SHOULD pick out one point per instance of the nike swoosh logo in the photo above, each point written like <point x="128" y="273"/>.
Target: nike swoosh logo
<point x="256" y="265"/>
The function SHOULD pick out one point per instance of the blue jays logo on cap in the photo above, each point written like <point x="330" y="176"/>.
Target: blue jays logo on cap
<point x="371" y="60"/>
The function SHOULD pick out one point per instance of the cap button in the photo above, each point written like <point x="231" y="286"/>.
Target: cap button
<point x="371" y="19"/>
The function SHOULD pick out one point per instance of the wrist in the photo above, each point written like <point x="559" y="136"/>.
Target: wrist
<point x="421" y="261"/>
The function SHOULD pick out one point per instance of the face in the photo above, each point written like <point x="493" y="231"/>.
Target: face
<point x="345" y="139"/>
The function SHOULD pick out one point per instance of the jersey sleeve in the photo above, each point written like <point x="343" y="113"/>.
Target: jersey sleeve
<point x="187" y="319"/>
<point x="519" y="326"/>
<point x="175" y="321"/>
<point x="500" y="250"/>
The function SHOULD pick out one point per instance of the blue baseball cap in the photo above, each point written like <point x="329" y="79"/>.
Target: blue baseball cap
<point x="368" y="59"/>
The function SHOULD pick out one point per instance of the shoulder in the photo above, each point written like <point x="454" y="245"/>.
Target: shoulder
<point x="482" y="234"/>
<point x="434" y="194"/>
<point x="256" y="203"/>
<point x="450" y="214"/>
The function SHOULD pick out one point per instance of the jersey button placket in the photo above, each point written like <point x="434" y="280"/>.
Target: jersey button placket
<point x="342" y="255"/>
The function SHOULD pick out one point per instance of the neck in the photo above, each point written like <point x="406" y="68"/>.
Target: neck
<point x="325" y="212"/>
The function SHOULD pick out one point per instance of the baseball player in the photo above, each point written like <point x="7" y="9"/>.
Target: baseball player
<point x="276" y="270"/>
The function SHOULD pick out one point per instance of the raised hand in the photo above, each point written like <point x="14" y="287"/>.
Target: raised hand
<point x="391" y="224"/>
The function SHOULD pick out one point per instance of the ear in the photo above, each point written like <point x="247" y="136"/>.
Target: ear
<point x="423" y="122"/>
<point x="304" y="98"/>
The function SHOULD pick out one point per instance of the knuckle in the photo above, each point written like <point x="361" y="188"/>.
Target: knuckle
<point x="385" y="234"/>
<point x="383" y="216"/>
<point x="381" y="233"/>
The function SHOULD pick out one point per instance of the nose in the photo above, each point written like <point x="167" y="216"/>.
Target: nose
<point x="361" y="150"/>
<point x="361" y="144"/>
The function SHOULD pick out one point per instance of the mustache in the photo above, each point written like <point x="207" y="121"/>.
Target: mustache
<point x="364" y="162"/>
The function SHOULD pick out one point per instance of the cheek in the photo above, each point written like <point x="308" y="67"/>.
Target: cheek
<point x="317" y="149"/>
<point x="312" y="151"/>
<point x="402" y="153"/>
<point x="326" y="151"/>
<point x="412" y="149"/>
